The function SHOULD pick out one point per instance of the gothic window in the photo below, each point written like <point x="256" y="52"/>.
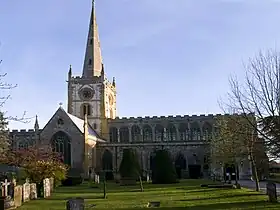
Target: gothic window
<point x="159" y="133"/>
<point x="147" y="133"/>
<point x="60" y="121"/>
<point x="183" y="131"/>
<point x="61" y="144"/>
<point x="113" y="134"/>
<point x="171" y="132"/>
<point x="23" y="145"/>
<point x="90" y="42"/>
<point x="94" y="126"/>
<point x="86" y="109"/>
<point x="89" y="62"/>
<point x="136" y="133"/>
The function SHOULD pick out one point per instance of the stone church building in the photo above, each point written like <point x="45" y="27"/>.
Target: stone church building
<point x="91" y="136"/>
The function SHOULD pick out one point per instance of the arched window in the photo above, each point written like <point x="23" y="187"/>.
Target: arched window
<point x="86" y="110"/>
<point x="89" y="62"/>
<point x="61" y="144"/>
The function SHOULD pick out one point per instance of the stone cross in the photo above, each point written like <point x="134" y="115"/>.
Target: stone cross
<point x="4" y="186"/>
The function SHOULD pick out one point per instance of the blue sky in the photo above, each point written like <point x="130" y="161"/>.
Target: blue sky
<point x="168" y="57"/>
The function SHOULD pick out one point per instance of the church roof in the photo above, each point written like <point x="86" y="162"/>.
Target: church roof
<point x="80" y="125"/>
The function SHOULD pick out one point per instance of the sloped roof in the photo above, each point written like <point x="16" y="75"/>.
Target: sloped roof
<point x="80" y="125"/>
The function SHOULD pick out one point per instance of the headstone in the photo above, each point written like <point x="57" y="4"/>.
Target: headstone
<point x="26" y="192"/>
<point x="271" y="192"/>
<point x="148" y="177"/>
<point x="75" y="204"/>
<point x="47" y="188"/>
<point x="4" y="186"/>
<point x="96" y="179"/>
<point x="52" y="184"/>
<point x="18" y="195"/>
<point x="33" y="191"/>
<point x="153" y="204"/>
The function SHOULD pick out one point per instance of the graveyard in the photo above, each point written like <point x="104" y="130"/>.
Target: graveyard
<point x="188" y="194"/>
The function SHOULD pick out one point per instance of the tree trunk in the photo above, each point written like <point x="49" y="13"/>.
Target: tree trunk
<point x="236" y="179"/>
<point x="141" y="184"/>
<point x="255" y="173"/>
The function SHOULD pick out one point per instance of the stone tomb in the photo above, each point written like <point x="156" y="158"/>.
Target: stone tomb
<point x="271" y="192"/>
<point x="75" y="204"/>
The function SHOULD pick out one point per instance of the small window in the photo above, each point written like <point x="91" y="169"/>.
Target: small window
<point x="90" y="42"/>
<point x="89" y="62"/>
<point x="86" y="109"/>
<point x="94" y="126"/>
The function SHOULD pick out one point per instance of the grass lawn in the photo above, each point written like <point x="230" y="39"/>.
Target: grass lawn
<point x="185" y="195"/>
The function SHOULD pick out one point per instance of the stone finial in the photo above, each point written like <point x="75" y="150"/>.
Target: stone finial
<point x="36" y="125"/>
<point x="114" y="82"/>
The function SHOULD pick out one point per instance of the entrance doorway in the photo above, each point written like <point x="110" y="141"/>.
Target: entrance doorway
<point x="230" y="172"/>
<point x="194" y="171"/>
<point x="180" y="165"/>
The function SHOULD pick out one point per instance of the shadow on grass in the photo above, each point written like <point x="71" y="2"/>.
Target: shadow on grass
<point x="238" y="205"/>
<point x="220" y="197"/>
<point x="95" y="197"/>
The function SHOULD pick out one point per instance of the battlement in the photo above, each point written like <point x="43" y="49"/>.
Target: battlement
<point x="22" y="131"/>
<point x="173" y="117"/>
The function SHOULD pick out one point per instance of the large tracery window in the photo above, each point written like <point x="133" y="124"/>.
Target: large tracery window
<point x="61" y="144"/>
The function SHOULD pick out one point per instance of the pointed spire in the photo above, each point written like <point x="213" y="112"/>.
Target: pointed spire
<point x="70" y="72"/>
<point x="93" y="58"/>
<point x="36" y="125"/>
<point x="114" y="82"/>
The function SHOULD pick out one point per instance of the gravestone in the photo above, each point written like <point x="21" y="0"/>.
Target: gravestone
<point x="52" y="184"/>
<point x="26" y="191"/>
<point x="75" y="204"/>
<point x="47" y="188"/>
<point x="153" y="204"/>
<point x="96" y="179"/>
<point x="18" y="195"/>
<point x="148" y="177"/>
<point x="33" y="191"/>
<point x="271" y="192"/>
<point x="4" y="186"/>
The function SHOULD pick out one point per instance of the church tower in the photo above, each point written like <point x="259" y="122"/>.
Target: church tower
<point x="92" y="94"/>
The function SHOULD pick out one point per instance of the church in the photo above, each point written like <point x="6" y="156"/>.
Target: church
<point x="92" y="137"/>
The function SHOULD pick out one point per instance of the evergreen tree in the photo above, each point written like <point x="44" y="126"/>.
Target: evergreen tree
<point x="129" y="167"/>
<point x="164" y="170"/>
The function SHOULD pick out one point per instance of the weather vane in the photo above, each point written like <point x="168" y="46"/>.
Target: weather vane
<point x="60" y="104"/>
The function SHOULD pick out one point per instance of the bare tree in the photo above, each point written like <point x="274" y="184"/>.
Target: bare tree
<point x="259" y="94"/>
<point x="235" y="142"/>
<point x="5" y="142"/>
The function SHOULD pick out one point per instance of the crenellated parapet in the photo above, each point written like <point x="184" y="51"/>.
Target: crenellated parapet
<point x="164" y="128"/>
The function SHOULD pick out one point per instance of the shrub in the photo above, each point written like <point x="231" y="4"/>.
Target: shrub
<point x="129" y="167"/>
<point x="163" y="170"/>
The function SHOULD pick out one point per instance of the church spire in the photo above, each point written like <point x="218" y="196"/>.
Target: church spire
<point x="36" y="125"/>
<point x="93" y="59"/>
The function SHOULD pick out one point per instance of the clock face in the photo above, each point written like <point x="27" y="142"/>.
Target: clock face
<point x="87" y="94"/>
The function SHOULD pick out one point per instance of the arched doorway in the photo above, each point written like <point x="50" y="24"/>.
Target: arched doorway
<point x="107" y="165"/>
<point x="61" y="143"/>
<point x="180" y="165"/>
<point x="231" y="173"/>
